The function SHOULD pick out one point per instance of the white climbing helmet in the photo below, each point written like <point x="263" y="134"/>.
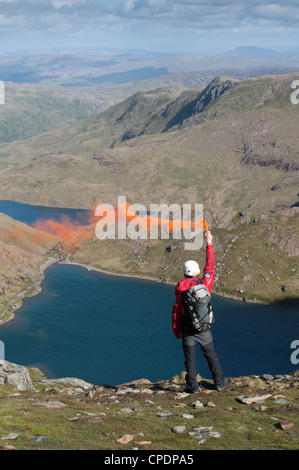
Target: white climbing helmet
<point x="191" y="268"/>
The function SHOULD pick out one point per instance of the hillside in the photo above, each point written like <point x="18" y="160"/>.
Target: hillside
<point x="23" y="256"/>
<point x="232" y="146"/>
<point x="250" y="126"/>
<point x="252" y="413"/>
<point x="32" y="109"/>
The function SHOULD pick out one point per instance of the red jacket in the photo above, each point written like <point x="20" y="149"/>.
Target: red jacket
<point x="186" y="283"/>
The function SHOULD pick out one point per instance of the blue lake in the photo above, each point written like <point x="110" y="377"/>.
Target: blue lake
<point x="111" y="329"/>
<point x="29" y="214"/>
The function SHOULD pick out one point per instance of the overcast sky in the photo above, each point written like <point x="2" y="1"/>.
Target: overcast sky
<point x="155" y="25"/>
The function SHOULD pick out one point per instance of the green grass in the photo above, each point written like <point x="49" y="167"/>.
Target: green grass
<point x="241" y="426"/>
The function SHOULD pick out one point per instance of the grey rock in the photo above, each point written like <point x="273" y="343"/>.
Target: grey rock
<point x="197" y="405"/>
<point x="201" y="441"/>
<point x="50" y="404"/>
<point x="204" y="432"/>
<point x="249" y="400"/>
<point x="203" y="428"/>
<point x="124" y="391"/>
<point x="179" y="429"/>
<point x="127" y="411"/>
<point x="14" y="374"/>
<point x="268" y="377"/>
<point x="41" y="438"/>
<point x="10" y="437"/>
<point x="282" y="401"/>
<point x="163" y="414"/>
<point x="71" y="381"/>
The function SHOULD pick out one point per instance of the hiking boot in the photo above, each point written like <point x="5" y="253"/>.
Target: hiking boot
<point x="219" y="388"/>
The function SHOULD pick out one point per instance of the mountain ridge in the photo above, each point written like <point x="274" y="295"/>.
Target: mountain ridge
<point x="256" y="116"/>
<point x="238" y="156"/>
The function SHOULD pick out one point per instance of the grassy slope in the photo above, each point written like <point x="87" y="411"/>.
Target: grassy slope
<point x="32" y="109"/>
<point x="96" y="422"/>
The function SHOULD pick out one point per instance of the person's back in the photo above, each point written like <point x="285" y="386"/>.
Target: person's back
<point x="191" y="271"/>
<point x="181" y="326"/>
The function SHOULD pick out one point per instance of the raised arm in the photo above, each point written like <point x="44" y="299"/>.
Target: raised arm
<point x="209" y="269"/>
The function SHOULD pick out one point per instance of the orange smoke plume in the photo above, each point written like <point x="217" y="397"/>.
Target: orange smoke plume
<point x="72" y="234"/>
<point x="69" y="233"/>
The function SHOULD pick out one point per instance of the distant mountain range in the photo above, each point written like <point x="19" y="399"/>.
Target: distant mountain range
<point x="251" y="51"/>
<point x="73" y="68"/>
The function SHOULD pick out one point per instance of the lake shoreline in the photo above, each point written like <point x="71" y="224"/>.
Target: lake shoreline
<point x="37" y="286"/>
<point x="50" y="373"/>
<point x="217" y="291"/>
<point x="147" y="278"/>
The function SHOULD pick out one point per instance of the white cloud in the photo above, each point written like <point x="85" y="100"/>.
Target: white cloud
<point x="61" y="3"/>
<point x="147" y="17"/>
<point x="204" y="14"/>
<point x="278" y="12"/>
<point x="207" y="14"/>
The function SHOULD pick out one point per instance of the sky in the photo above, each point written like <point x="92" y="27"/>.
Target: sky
<point x="182" y="26"/>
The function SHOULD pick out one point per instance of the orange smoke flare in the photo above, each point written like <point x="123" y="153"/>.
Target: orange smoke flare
<point x="71" y="233"/>
<point x="68" y="232"/>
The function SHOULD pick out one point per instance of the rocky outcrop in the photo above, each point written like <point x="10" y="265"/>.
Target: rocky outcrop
<point x="70" y="381"/>
<point x="14" y="374"/>
<point x="263" y="152"/>
<point x="197" y="110"/>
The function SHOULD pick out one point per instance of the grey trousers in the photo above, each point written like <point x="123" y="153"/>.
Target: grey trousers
<point x="206" y="342"/>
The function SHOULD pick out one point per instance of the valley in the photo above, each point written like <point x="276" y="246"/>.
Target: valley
<point x="231" y="146"/>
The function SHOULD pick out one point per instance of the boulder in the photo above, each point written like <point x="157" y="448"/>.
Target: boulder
<point x="248" y="400"/>
<point x="125" y="439"/>
<point x="14" y="374"/>
<point x="69" y="381"/>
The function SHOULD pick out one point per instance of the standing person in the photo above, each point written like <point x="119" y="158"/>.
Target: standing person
<point x="190" y="336"/>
